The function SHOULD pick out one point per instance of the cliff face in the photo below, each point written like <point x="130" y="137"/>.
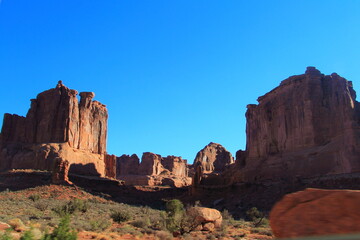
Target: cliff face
<point x="308" y="126"/>
<point x="56" y="124"/>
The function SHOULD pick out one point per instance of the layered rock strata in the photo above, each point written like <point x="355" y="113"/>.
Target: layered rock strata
<point x="153" y="170"/>
<point x="57" y="125"/>
<point x="308" y="126"/>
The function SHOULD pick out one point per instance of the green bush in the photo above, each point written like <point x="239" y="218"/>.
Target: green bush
<point x="120" y="216"/>
<point x="253" y="214"/>
<point x="174" y="207"/>
<point x="175" y="213"/>
<point x="5" y="236"/>
<point x="257" y="217"/>
<point x="34" y="197"/>
<point x="141" y="223"/>
<point x="28" y="235"/>
<point x="176" y="218"/>
<point x="63" y="231"/>
<point x="99" y="225"/>
<point x="76" y="205"/>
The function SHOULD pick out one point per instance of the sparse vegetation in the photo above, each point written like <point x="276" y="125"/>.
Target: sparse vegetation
<point x="120" y="216"/>
<point x="42" y="218"/>
<point x="34" y="197"/>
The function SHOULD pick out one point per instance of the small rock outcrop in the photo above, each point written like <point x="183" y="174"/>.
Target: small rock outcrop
<point x="57" y="126"/>
<point x="316" y="212"/>
<point x="153" y="170"/>
<point x="308" y="126"/>
<point x="60" y="171"/>
<point x="213" y="158"/>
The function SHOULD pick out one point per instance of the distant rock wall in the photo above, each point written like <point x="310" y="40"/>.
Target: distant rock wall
<point x="152" y="170"/>
<point x="308" y="126"/>
<point x="56" y="122"/>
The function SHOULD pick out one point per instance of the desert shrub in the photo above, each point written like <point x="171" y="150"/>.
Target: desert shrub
<point x="197" y="204"/>
<point x="253" y="214"/>
<point x="174" y="207"/>
<point x="28" y="235"/>
<point x="35" y="197"/>
<point x="5" y="236"/>
<point x="63" y="231"/>
<point x="175" y="214"/>
<point x="256" y="216"/>
<point x="226" y="215"/>
<point x="99" y="225"/>
<point x="141" y="223"/>
<point x="41" y="205"/>
<point x="76" y="205"/>
<point x="120" y="216"/>
<point x="158" y="221"/>
<point x="176" y="218"/>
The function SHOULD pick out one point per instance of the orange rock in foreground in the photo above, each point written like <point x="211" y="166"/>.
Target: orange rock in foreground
<point x="314" y="212"/>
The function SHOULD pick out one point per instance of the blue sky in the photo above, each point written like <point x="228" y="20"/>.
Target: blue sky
<point x="177" y="74"/>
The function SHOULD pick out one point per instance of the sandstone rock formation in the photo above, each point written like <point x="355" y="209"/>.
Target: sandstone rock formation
<point x="213" y="158"/>
<point x="308" y="126"/>
<point x="316" y="212"/>
<point x="153" y="170"/>
<point x="127" y="165"/>
<point x="209" y="164"/>
<point x="57" y="125"/>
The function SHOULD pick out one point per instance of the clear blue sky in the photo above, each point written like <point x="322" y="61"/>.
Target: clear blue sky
<point x="175" y="74"/>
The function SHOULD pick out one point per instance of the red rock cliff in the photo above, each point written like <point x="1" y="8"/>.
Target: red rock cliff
<point x="307" y="126"/>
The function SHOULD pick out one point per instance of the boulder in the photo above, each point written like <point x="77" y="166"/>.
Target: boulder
<point x="208" y="218"/>
<point x="315" y="212"/>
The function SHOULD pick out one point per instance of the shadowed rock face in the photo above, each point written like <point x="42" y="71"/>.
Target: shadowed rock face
<point x="127" y="165"/>
<point x="57" y="121"/>
<point x="213" y="158"/>
<point x="307" y="126"/>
